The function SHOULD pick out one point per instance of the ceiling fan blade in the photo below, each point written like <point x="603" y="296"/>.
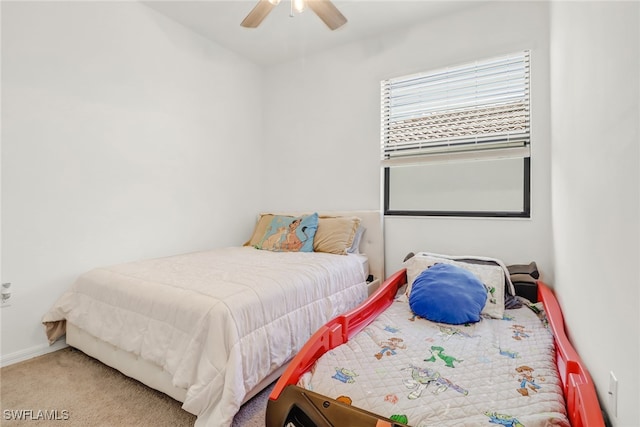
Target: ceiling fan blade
<point x="329" y="14"/>
<point x="257" y="14"/>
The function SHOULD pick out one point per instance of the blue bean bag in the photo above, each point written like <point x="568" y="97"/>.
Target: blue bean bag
<point x="447" y="293"/>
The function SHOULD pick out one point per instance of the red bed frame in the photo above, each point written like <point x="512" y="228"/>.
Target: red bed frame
<point x="290" y="405"/>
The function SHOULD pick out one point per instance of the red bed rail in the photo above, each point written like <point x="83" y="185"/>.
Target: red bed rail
<point x="580" y="394"/>
<point x="583" y="408"/>
<point x="338" y="331"/>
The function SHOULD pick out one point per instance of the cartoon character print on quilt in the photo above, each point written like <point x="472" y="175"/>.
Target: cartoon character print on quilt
<point x="434" y="374"/>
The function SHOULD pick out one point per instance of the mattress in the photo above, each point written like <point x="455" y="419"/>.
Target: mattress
<point x="421" y="373"/>
<point x="219" y="321"/>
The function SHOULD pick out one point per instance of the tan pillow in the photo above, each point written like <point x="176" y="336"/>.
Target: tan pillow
<point x="261" y="228"/>
<point x="335" y="234"/>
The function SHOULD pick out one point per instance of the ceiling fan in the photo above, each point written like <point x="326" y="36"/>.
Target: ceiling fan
<point x="325" y="10"/>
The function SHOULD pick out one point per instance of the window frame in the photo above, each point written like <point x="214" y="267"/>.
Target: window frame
<point x="526" y="202"/>
<point x="450" y="152"/>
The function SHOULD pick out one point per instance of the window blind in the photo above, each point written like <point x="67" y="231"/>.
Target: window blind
<point x="478" y="110"/>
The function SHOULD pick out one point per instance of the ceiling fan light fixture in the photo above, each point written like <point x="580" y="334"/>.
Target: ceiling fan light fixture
<point x="325" y="10"/>
<point x="298" y="5"/>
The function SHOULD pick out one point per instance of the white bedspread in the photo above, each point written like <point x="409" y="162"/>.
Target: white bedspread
<point x="218" y="321"/>
<point x="427" y="374"/>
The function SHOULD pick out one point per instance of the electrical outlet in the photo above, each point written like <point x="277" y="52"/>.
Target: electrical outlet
<point x="6" y="294"/>
<point x="613" y="394"/>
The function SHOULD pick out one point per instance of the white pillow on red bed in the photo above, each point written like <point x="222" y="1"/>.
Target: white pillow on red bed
<point x="492" y="276"/>
<point x="447" y="293"/>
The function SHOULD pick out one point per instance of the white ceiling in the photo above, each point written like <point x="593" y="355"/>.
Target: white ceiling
<point x="281" y="38"/>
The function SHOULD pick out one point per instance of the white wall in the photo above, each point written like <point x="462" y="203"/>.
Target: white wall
<point x="595" y="86"/>
<point x="124" y="136"/>
<point x="322" y="125"/>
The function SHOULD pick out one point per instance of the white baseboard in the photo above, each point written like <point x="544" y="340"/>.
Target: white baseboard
<point x="30" y="353"/>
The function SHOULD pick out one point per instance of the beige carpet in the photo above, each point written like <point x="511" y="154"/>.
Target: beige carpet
<point x="80" y="391"/>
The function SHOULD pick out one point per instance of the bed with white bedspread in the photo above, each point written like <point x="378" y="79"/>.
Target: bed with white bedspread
<point x="211" y="328"/>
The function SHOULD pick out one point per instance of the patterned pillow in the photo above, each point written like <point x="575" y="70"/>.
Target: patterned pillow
<point x="446" y="293"/>
<point x="289" y="234"/>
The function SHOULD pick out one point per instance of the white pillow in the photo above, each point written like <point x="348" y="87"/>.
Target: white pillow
<point x="492" y="276"/>
<point x="355" y="246"/>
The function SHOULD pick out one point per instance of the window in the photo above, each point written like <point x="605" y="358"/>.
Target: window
<point x="455" y="142"/>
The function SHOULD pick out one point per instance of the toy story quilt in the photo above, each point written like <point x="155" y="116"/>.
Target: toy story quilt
<point x="422" y="373"/>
